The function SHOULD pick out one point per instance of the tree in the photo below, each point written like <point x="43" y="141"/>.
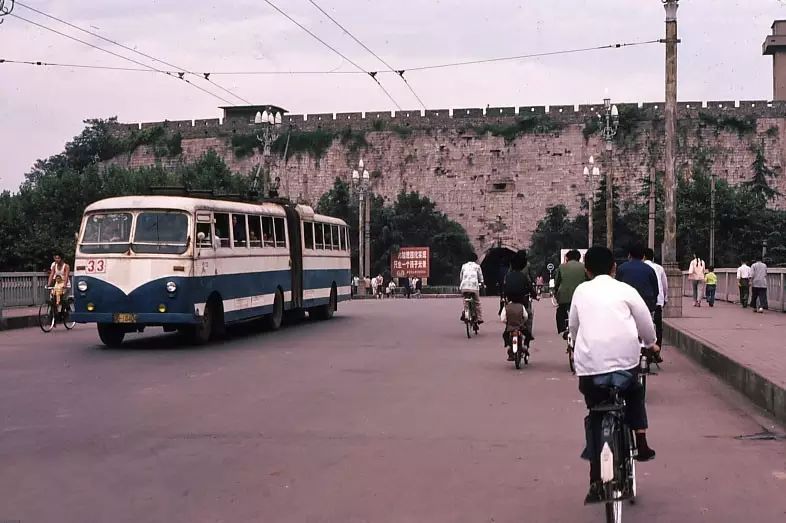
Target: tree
<point x="555" y="231"/>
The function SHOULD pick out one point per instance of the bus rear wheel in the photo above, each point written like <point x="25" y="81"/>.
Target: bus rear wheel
<point x="275" y="318"/>
<point x="111" y="335"/>
<point x="325" y="312"/>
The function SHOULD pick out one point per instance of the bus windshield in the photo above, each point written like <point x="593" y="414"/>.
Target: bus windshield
<point x="106" y="233"/>
<point x="162" y="232"/>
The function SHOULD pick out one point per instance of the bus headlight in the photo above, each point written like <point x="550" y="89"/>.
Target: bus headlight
<point x="171" y="287"/>
<point x="82" y="285"/>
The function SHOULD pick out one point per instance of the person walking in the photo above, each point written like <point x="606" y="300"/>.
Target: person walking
<point x="696" y="276"/>
<point x="759" y="286"/>
<point x="744" y="282"/>
<point x="374" y="285"/>
<point x="710" y="284"/>
<point x="663" y="293"/>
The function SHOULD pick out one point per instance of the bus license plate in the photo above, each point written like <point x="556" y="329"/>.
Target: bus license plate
<point x="125" y="317"/>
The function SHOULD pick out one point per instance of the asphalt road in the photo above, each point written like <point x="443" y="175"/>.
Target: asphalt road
<point x="385" y="413"/>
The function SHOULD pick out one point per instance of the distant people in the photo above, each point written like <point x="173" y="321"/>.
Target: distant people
<point x="355" y="285"/>
<point x="238" y="232"/>
<point x="374" y="285"/>
<point x="744" y="282"/>
<point x="380" y="286"/>
<point x="408" y="287"/>
<point x="696" y="272"/>
<point x="759" y="286"/>
<point x="569" y="275"/>
<point x="640" y="276"/>
<point x="391" y="289"/>
<point x="663" y="292"/>
<point x="710" y="283"/>
<point x="539" y="284"/>
<point x="367" y="287"/>
<point x="418" y="287"/>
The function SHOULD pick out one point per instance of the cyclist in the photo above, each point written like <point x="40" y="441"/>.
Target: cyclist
<point x="569" y="275"/>
<point x="642" y="277"/>
<point x="518" y="288"/>
<point x="471" y="281"/>
<point x="59" y="268"/>
<point x="607" y="319"/>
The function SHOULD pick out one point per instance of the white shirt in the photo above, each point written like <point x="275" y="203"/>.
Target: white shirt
<point x="663" y="283"/>
<point x="743" y="272"/>
<point x="471" y="277"/>
<point x="607" y="318"/>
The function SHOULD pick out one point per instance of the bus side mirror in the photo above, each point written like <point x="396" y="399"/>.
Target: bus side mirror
<point x="200" y="239"/>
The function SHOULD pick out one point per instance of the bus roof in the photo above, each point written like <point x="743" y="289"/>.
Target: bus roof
<point x="192" y="204"/>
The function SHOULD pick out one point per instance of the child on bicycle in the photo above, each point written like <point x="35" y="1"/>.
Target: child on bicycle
<point x="514" y="316"/>
<point x="58" y="290"/>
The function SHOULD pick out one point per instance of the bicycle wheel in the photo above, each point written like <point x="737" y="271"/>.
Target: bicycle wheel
<point x="519" y="354"/>
<point x="46" y="317"/>
<point x="467" y="324"/>
<point x="643" y="382"/>
<point x="570" y="361"/>
<point x="68" y="309"/>
<point x="614" y="510"/>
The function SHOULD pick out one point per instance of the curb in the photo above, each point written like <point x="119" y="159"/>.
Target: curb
<point x="753" y="385"/>
<point x="18" y="322"/>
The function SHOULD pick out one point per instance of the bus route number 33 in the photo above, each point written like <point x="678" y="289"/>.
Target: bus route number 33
<point x="94" y="266"/>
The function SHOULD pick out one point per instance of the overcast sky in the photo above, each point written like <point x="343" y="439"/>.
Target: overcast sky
<point x="41" y="107"/>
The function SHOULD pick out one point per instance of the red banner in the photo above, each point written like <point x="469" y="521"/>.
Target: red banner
<point x="411" y="262"/>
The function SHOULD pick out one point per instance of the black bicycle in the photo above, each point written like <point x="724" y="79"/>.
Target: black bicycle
<point x="50" y="313"/>
<point x="570" y="350"/>
<point x="618" y="450"/>
<point x="470" y="314"/>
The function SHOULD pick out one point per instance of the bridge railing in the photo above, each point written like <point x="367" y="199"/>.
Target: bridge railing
<point x="22" y="289"/>
<point x="728" y="290"/>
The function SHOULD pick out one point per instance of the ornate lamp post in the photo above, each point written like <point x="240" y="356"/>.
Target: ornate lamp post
<point x="609" y="131"/>
<point x="673" y="308"/>
<point x="590" y="172"/>
<point x="271" y="123"/>
<point x="361" y="181"/>
<point x="6" y="6"/>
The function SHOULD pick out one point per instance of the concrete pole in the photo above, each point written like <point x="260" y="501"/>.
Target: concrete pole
<point x="590" y="225"/>
<point x="674" y="307"/>
<point x="712" y="221"/>
<point x="367" y="231"/>
<point x="651" y="218"/>
<point x="361" y="235"/>
<point x="609" y="198"/>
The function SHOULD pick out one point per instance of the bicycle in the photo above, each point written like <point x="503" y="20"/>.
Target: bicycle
<point x="618" y="449"/>
<point x="470" y="315"/>
<point x="570" y="349"/>
<point x="49" y="315"/>
<point x="518" y="348"/>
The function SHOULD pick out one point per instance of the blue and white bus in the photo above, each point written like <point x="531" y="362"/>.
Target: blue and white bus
<point x="195" y="265"/>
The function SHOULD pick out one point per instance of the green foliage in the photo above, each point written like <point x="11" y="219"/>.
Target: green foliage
<point x="44" y="215"/>
<point x="378" y="125"/>
<point x="760" y="184"/>
<point x="244" y="144"/>
<point x="315" y="143"/>
<point x="591" y="126"/>
<point x="773" y="131"/>
<point x="732" y="124"/>
<point x="534" y="124"/>
<point x="353" y="140"/>
<point x="412" y="220"/>
<point x="555" y="231"/>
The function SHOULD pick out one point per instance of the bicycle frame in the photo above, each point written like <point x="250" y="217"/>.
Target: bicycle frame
<point x="618" y="448"/>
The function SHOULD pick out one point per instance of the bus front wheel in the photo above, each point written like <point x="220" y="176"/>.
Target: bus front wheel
<point x="201" y="332"/>
<point x="111" y="335"/>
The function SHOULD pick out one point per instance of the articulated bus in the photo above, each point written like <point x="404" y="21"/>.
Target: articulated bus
<point x="195" y="265"/>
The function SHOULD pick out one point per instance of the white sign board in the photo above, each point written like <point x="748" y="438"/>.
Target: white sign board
<point x="563" y="252"/>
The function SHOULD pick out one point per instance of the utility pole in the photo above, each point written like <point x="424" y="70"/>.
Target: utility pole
<point x="712" y="220"/>
<point x="361" y="180"/>
<point x="651" y="215"/>
<point x="591" y="172"/>
<point x="673" y="308"/>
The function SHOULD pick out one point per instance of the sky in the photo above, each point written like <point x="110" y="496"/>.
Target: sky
<point x="41" y="108"/>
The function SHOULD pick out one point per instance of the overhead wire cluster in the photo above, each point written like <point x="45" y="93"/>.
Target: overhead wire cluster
<point x="190" y="76"/>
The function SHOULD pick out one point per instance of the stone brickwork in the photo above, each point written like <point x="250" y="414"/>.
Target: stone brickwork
<point x="476" y="177"/>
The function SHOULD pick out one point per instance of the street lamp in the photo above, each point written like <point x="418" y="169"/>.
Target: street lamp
<point x="673" y="307"/>
<point x="6" y="6"/>
<point x="361" y="181"/>
<point x="608" y="132"/>
<point x="590" y="172"/>
<point x="270" y="120"/>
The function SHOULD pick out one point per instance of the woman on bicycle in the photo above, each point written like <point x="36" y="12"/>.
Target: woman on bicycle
<point x="607" y="319"/>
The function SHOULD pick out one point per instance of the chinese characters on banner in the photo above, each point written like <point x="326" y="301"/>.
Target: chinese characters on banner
<point x="411" y="262"/>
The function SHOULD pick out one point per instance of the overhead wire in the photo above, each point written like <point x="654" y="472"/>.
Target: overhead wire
<point x="204" y="76"/>
<point x="372" y="74"/>
<point x="364" y="46"/>
<point x="178" y="76"/>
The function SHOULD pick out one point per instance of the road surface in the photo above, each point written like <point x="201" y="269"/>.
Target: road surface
<point x="387" y="413"/>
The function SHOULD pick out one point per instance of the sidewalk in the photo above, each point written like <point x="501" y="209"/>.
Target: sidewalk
<point x="18" y="318"/>
<point x="745" y="349"/>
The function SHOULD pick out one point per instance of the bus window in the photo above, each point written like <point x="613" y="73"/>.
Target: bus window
<point x="267" y="232"/>
<point x="334" y="235"/>
<point x="344" y="238"/>
<point x="308" y="235"/>
<point x="281" y="236"/>
<point x="106" y="233"/>
<point x="319" y="237"/>
<point x="161" y="232"/>
<point x="239" y="230"/>
<point x="204" y="228"/>
<point x="222" y="229"/>
<point x="255" y="231"/>
<point x="328" y="239"/>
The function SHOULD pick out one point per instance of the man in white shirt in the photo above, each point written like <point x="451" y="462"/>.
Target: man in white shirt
<point x="471" y="280"/>
<point x="744" y="282"/>
<point x="663" y="292"/>
<point x="607" y="320"/>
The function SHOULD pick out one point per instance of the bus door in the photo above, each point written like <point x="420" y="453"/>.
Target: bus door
<point x="204" y="251"/>
<point x="295" y="255"/>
